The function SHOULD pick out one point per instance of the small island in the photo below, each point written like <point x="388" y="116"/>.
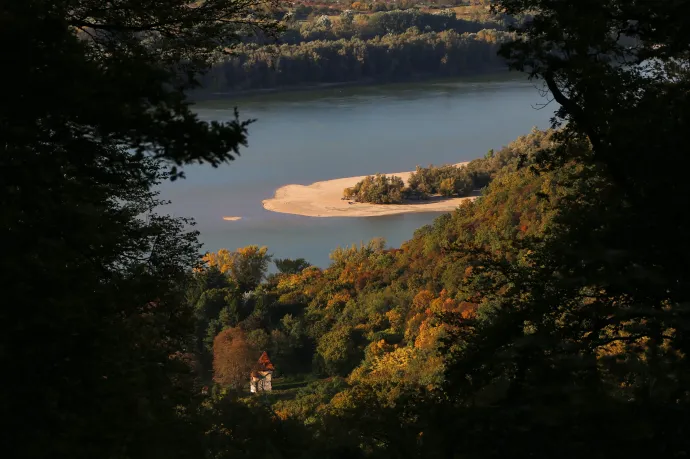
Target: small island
<point x="426" y="189"/>
<point x="324" y="199"/>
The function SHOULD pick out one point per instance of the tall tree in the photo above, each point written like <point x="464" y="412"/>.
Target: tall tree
<point x="234" y="358"/>
<point x="96" y="317"/>
<point x="593" y="324"/>
<point x="246" y="265"/>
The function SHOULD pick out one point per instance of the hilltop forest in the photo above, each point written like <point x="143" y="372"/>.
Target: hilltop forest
<point x="547" y="318"/>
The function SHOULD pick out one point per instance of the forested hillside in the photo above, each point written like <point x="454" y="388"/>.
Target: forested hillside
<point x="378" y="319"/>
<point x="384" y="46"/>
<point x="548" y="318"/>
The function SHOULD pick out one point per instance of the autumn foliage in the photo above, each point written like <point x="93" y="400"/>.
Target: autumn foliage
<point x="233" y="358"/>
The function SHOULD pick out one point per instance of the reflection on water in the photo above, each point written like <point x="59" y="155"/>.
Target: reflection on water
<point x="303" y="137"/>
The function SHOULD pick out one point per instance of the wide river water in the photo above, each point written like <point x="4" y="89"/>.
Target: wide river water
<point x="304" y="137"/>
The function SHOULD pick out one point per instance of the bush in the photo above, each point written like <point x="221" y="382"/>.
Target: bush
<point x="445" y="180"/>
<point x="377" y="189"/>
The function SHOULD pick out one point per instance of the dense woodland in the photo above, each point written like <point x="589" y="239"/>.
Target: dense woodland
<point x="353" y="24"/>
<point x="384" y="46"/>
<point x="548" y="318"/>
<point x="371" y="300"/>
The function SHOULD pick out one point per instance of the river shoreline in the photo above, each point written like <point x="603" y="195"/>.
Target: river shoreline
<point x="202" y="95"/>
<point x="324" y="199"/>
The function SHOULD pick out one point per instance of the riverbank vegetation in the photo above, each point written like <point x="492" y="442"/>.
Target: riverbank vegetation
<point x="448" y="180"/>
<point x="377" y="189"/>
<point x="547" y="318"/>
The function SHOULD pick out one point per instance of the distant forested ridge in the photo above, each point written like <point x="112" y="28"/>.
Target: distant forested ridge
<point x="380" y="47"/>
<point x="387" y="58"/>
<point x="352" y="25"/>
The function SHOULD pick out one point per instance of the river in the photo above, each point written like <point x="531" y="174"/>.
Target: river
<point x="307" y="136"/>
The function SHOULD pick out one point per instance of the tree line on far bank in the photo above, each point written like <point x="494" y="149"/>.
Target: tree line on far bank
<point x="387" y="58"/>
<point x="350" y="24"/>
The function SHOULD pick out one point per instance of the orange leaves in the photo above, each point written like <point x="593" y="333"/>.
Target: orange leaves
<point x="422" y="300"/>
<point x="426" y="325"/>
<point x="468" y="310"/>
<point x="443" y="304"/>
<point x="339" y="299"/>
<point x="233" y="358"/>
<point x="428" y="337"/>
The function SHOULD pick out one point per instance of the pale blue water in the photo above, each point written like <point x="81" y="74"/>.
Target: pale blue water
<point x="303" y="137"/>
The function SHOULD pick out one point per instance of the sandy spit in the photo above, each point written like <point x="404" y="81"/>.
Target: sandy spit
<point x="323" y="199"/>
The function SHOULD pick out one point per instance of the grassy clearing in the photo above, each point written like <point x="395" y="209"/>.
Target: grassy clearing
<point x="287" y="387"/>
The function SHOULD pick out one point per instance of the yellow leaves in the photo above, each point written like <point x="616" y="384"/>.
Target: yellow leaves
<point x="429" y="335"/>
<point x="613" y="349"/>
<point x="252" y="251"/>
<point x="357" y="375"/>
<point x="221" y="260"/>
<point x="391" y="371"/>
<point x="443" y="304"/>
<point x="395" y="319"/>
<point x="307" y="283"/>
<point x="623" y="345"/>
<point x="246" y="265"/>
<point x="224" y="260"/>
<point x="379" y="348"/>
<point x="391" y="362"/>
<point x="289" y="282"/>
<point x="345" y="400"/>
<point x="339" y="299"/>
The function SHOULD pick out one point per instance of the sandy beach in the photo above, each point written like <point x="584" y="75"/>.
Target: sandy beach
<point x="323" y="199"/>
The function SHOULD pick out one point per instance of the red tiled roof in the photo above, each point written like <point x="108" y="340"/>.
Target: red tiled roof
<point x="265" y="363"/>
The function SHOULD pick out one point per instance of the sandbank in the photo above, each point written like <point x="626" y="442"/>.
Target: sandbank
<point x="323" y="199"/>
<point x="232" y="219"/>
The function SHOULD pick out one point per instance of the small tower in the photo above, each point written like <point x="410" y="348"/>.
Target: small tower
<point x="261" y="376"/>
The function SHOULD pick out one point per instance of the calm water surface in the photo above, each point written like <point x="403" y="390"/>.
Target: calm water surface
<point x="303" y="137"/>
